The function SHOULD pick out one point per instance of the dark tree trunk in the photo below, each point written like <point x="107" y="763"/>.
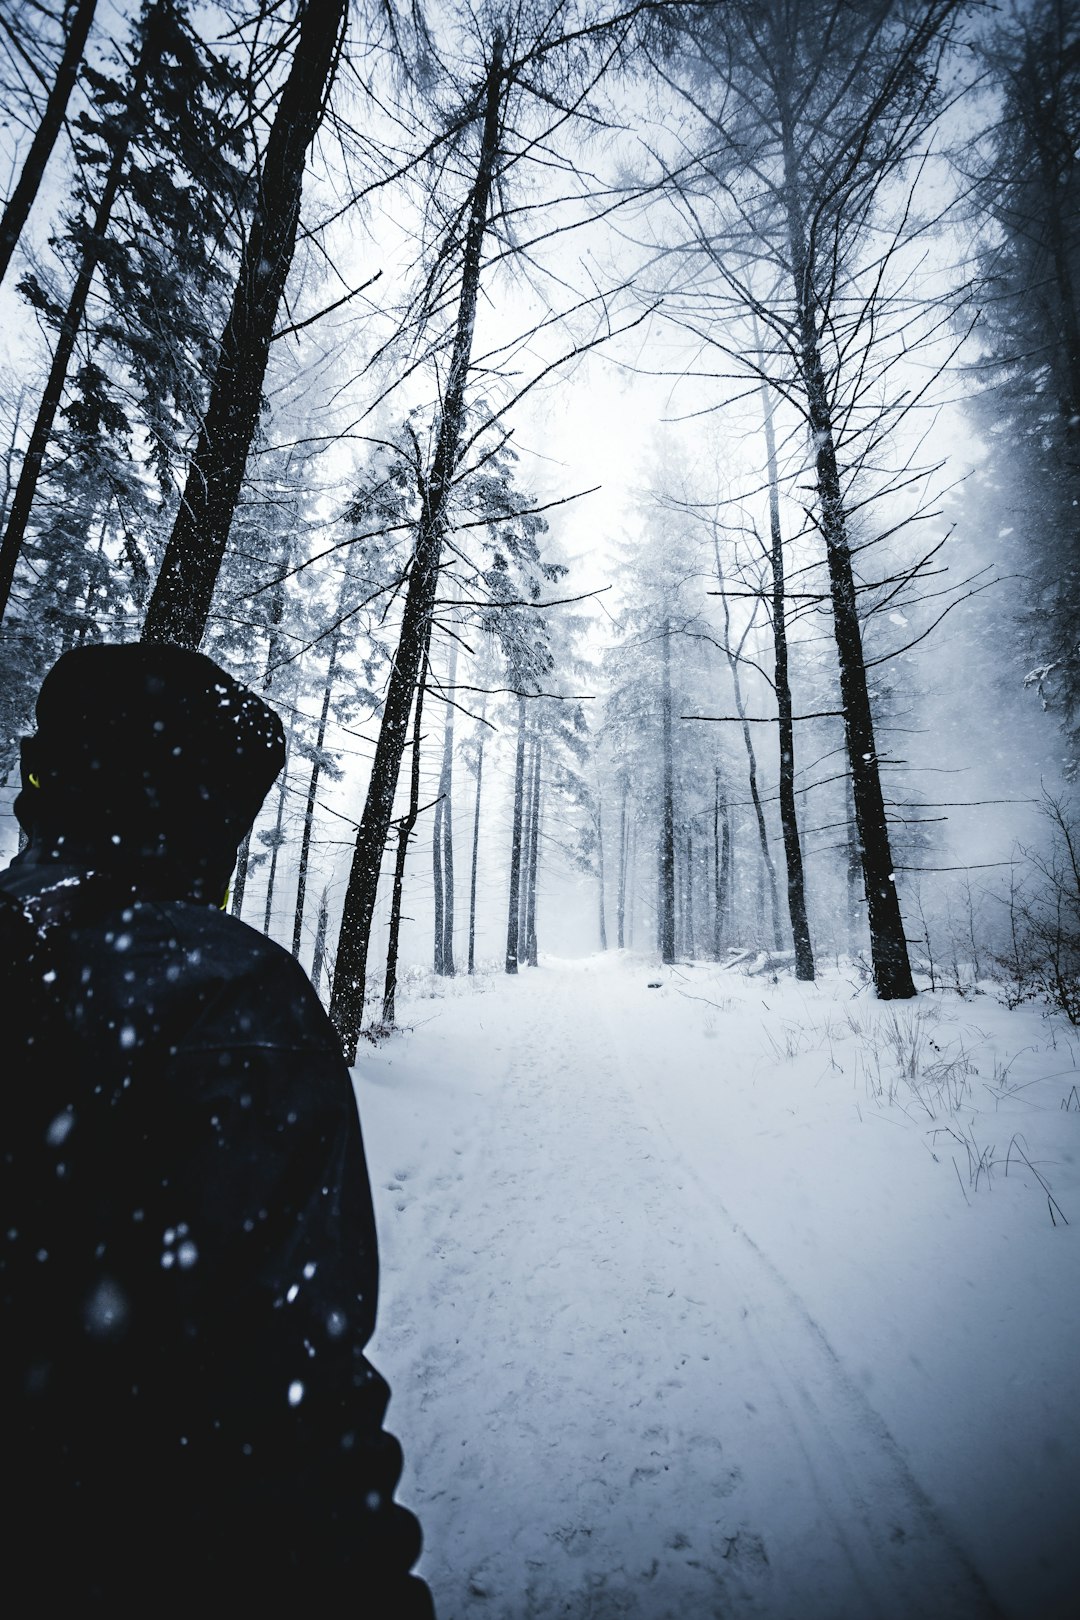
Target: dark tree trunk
<point x="26" y="488"/>
<point x="439" y="940"/>
<point x="513" y="910"/>
<point x="789" y="822"/>
<point x="534" y="856"/>
<point x="667" y="826"/>
<point x="720" y="864"/>
<point x="312" y="795"/>
<point x="19" y="204"/>
<point x="526" y="850"/>
<point x="347" y="1001"/>
<point x="475" y="850"/>
<point x="888" y="946"/>
<point x="180" y="602"/>
<point x="404" y="832"/>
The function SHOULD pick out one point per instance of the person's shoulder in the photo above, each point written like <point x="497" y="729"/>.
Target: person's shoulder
<point x="263" y="995"/>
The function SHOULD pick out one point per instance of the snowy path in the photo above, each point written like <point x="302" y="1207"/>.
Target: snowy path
<point x="613" y="1403"/>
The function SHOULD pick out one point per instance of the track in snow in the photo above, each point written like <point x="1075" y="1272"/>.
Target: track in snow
<point x="613" y="1404"/>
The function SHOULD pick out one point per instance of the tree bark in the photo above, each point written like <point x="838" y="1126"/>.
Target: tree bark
<point x="534" y="855"/>
<point x="526" y="849"/>
<point x="19" y="204"/>
<point x="445" y="834"/>
<point x="26" y="488"/>
<point x="347" y="1000"/>
<point x="437" y="888"/>
<point x="475" y="849"/>
<point x="312" y="795"/>
<point x="513" y="911"/>
<point x="404" y="832"/>
<point x="180" y="602"/>
<point x="283" y="783"/>
<point x="789" y="821"/>
<point x="667" y="824"/>
<point x="888" y="946"/>
<point x="318" y="955"/>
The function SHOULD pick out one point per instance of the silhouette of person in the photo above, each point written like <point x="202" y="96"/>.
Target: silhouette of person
<point x="189" y="1268"/>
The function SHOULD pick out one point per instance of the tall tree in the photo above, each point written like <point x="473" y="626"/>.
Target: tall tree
<point x="77" y="20"/>
<point x="123" y="132"/>
<point x="180" y="602"/>
<point x="809" y="111"/>
<point x="1025" y="178"/>
<point x="517" y="847"/>
<point x="347" y="1000"/>
<point x="789" y="819"/>
<point x="154" y="204"/>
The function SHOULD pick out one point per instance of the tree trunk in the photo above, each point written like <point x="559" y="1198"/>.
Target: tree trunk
<point x="283" y="783"/>
<point x="513" y="912"/>
<point x="273" y="647"/>
<point x="888" y="946"/>
<point x="789" y="823"/>
<point x="728" y="891"/>
<point x="475" y="850"/>
<point x="631" y="881"/>
<point x="26" y="488"/>
<point x="19" y="204"/>
<point x="312" y="795"/>
<point x="445" y="964"/>
<point x="318" y="955"/>
<point x="768" y="868"/>
<point x="600" y="865"/>
<point x="526" y="850"/>
<point x="853" y="872"/>
<point x="404" y="832"/>
<point x="180" y="602"/>
<point x="439" y="938"/>
<point x="621" y="900"/>
<point x="239" y="881"/>
<point x="688" y="902"/>
<point x="347" y="1000"/>
<point x="720" y="861"/>
<point x="534" y="856"/>
<point x="667" y="827"/>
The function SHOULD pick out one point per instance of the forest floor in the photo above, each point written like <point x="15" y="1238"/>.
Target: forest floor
<point x="709" y="1296"/>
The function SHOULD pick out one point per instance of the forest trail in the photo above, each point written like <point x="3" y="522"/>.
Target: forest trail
<point x="613" y="1403"/>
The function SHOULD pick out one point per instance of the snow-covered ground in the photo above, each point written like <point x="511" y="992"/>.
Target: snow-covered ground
<point x="709" y="1296"/>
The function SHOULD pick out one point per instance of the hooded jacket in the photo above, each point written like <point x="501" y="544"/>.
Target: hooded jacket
<point x="188" y="1271"/>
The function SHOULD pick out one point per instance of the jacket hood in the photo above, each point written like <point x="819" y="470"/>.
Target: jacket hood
<point x="147" y="754"/>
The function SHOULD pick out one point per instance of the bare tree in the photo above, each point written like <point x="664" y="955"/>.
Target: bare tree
<point x="819" y="106"/>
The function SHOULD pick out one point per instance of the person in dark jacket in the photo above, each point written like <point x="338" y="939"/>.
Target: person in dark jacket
<point x="188" y="1267"/>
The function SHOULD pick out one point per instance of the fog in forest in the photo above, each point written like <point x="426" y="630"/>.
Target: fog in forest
<point x="682" y="404"/>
